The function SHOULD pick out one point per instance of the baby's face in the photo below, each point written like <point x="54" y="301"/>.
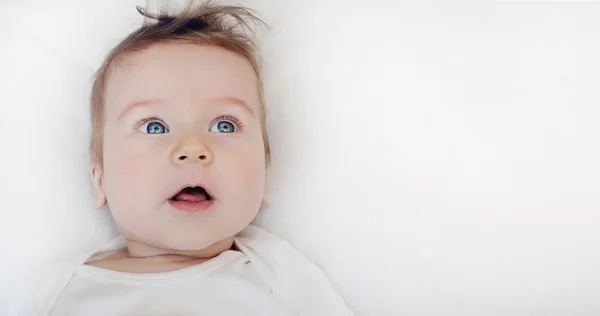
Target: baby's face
<point x="180" y="115"/>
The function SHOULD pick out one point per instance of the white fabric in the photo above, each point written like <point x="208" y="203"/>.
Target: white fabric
<point x="226" y="285"/>
<point x="431" y="157"/>
<point x="266" y="277"/>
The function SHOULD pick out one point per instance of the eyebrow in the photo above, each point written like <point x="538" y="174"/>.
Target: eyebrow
<point x="233" y="100"/>
<point x="136" y="104"/>
<point x="239" y="102"/>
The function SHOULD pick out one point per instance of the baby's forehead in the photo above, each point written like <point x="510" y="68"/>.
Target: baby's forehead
<point x="167" y="71"/>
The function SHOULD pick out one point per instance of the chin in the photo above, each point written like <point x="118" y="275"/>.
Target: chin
<point x="193" y="234"/>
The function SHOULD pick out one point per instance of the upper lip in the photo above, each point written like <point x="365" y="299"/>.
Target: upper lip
<point x="192" y="185"/>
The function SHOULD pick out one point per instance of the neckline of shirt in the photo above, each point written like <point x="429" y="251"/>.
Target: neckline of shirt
<point x="159" y="277"/>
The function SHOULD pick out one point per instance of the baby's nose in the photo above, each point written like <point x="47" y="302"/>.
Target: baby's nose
<point x="191" y="150"/>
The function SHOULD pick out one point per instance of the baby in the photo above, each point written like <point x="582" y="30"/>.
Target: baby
<point x="179" y="151"/>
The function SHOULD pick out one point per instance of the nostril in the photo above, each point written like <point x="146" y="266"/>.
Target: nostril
<point x="183" y="158"/>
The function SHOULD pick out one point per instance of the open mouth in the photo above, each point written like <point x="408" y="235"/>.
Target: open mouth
<point x="192" y="194"/>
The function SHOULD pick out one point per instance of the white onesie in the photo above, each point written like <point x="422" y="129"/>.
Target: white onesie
<point x="266" y="277"/>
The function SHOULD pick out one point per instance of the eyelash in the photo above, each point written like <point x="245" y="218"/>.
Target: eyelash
<point x="149" y="119"/>
<point x="230" y="118"/>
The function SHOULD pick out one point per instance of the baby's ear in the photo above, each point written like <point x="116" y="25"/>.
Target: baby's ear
<point x="265" y="199"/>
<point x="97" y="180"/>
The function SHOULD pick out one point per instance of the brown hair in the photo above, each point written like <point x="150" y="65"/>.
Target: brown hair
<point x="223" y="26"/>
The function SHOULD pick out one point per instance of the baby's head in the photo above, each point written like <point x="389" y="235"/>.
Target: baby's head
<point x="179" y="146"/>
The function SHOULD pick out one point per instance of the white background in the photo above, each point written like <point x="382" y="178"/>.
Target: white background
<point x="433" y="158"/>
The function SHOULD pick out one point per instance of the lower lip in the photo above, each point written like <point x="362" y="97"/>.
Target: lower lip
<point x="191" y="207"/>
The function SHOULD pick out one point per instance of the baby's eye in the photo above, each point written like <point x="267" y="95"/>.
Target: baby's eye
<point x="153" y="127"/>
<point x="223" y="126"/>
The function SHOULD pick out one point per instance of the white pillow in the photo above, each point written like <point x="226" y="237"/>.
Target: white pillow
<point x="440" y="159"/>
<point x="431" y="159"/>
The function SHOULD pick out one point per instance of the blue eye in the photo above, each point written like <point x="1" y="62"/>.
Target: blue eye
<point x="223" y="126"/>
<point x="154" y="127"/>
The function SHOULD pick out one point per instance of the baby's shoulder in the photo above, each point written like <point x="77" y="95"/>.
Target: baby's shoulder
<point x="291" y="275"/>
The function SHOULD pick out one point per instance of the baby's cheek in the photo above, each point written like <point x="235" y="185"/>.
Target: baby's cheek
<point x="127" y="174"/>
<point x="251" y="173"/>
<point x="129" y="158"/>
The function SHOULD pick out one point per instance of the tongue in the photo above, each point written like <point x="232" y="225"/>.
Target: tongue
<point x="190" y="197"/>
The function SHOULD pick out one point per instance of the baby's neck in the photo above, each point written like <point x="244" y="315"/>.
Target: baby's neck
<point x="141" y="250"/>
<point x="141" y="258"/>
